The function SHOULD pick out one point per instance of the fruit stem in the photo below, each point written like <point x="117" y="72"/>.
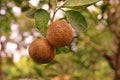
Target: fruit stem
<point x="55" y="13"/>
<point x="62" y="9"/>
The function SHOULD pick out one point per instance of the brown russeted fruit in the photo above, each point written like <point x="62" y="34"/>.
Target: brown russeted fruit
<point x="59" y="33"/>
<point x="41" y="51"/>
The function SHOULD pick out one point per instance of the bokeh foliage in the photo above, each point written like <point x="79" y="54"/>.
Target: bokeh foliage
<point x="85" y="63"/>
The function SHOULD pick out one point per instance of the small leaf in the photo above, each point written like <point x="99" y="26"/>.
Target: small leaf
<point x="73" y="3"/>
<point x="77" y="20"/>
<point x="41" y="20"/>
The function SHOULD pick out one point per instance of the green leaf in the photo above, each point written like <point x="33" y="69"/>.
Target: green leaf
<point x="41" y="20"/>
<point x="77" y="20"/>
<point x="73" y="3"/>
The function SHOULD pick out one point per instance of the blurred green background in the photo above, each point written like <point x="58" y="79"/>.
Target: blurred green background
<point x="83" y="59"/>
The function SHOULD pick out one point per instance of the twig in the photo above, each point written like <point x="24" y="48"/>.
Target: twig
<point x="55" y="13"/>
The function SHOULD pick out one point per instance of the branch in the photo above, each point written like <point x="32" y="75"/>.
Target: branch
<point x="110" y="59"/>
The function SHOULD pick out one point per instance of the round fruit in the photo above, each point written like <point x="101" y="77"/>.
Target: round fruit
<point x="59" y="33"/>
<point x="41" y="51"/>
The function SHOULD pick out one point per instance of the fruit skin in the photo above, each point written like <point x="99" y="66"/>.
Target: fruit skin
<point x="41" y="51"/>
<point x="59" y="33"/>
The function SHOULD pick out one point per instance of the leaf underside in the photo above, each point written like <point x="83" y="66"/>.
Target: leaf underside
<point x="73" y="3"/>
<point x="77" y="20"/>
